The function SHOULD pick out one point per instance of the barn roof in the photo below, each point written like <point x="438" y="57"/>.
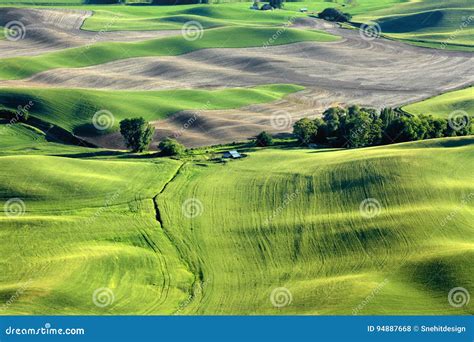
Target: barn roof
<point x="233" y="154"/>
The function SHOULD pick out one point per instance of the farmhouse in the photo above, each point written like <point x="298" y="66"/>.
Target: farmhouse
<point x="232" y="154"/>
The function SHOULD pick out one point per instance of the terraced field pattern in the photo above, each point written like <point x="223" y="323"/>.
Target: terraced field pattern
<point x="90" y="228"/>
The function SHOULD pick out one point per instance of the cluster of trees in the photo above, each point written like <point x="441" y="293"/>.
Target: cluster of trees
<point x="333" y="14"/>
<point x="358" y="127"/>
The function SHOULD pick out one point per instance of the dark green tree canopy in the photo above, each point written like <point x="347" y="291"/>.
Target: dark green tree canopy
<point x="263" y="139"/>
<point x="170" y="147"/>
<point x="356" y="126"/>
<point x="305" y="129"/>
<point x="333" y="14"/>
<point x="137" y="133"/>
<point x="276" y="3"/>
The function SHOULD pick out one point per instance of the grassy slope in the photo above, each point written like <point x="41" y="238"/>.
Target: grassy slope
<point x="318" y="245"/>
<point x="21" y="139"/>
<point x="443" y="105"/>
<point x="426" y="22"/>
<point x="14" y="136"/>
<point x="42" y="2"/>
<point x="73" y="109"/>
<point x="173" y="17"/>
<point x="88" y="225"/>
<point x="429" y="22"/>
<point x="227" y="37"/>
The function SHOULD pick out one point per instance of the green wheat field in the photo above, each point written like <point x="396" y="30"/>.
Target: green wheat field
<point x="89" y="228"/>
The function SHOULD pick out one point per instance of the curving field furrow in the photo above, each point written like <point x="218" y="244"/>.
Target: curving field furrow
<point x="374" y="73"/>
<point x="87" y="228"/>
<point x="156" y="235"/>
<point x="48" y="30"/>
<point x="292" y="219"/>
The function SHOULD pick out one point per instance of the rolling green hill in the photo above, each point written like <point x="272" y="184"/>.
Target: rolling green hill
<point x="431" y="23"/>
<point x="173" y="17"/>
<point x="278" y="218"/>
<point x="285" y="230"/>
<point x="292" y="219"/>
<point x="444" y="104"/>
<point x="98" y="53"/>
<point x="41" y="2"/>
<point x="74" y="109"/>
<point x="88" y="225"/>
<point x="21" y="139"/>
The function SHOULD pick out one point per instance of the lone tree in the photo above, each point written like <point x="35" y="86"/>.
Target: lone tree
<point x="137" y="133"/>
<point x="170" y="147"/>
<point x="263" y="139"/>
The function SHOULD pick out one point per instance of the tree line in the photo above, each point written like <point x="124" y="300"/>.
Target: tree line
<point x="356" y="126"/>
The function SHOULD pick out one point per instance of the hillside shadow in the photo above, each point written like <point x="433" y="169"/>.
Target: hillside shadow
<point x="411" y="23"/>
